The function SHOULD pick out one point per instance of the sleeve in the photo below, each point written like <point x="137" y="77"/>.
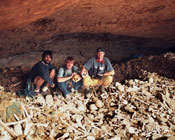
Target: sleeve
<point x="108" y="65"/>
<point x="44" y="73"/>
<point x="60" y="72"/>
<point x="88" y="64"/>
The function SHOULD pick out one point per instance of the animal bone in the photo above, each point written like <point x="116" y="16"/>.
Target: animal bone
<point x="92" y="124"/>
<point x="99" y="103"/>
<point x="18" y="129"/>
<point x="14" y="134"/>
<point x="90" y="138"/>
<point x="16" y="117"/>
<point x="40" y="100"/>
<point x="115" y="138"/>
<point x="28" y="125"/>
<point x="93" y="107"/>
<point x="75" y="130"/>
<point x="28" y="116"/>
<point x="49" y="100"/>
<point x="64" y="136"/>
<point x="6" y="137"/>
<point x="14" y="123"/>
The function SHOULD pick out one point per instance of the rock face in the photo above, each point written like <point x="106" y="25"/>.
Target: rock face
<point x="26" y="24"/>
<point x="144" y="18"/>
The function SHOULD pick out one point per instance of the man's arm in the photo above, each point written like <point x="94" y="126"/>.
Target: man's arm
<point x="60" y="76"/>
<point x="109" y="69"/>
<point x="110" y="73"/>
<point x="63" y="79"/>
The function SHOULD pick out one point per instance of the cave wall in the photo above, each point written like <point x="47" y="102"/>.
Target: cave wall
<point x="25" y="24"/>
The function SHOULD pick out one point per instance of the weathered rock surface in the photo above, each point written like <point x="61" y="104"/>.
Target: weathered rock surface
<point x="144" y="18"/>
<point x="25" y="25"/>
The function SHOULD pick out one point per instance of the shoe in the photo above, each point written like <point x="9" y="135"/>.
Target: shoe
<point x="35" y="93"/>
<point x="45" y="93"/>
<point x="75" y="92"/>
<point x="72" y="90"/>
<point x="45" y="89"/>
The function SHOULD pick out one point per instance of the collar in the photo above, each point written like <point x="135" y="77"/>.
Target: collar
<point x="44" y="62"/>
<point x="100" y="61"/>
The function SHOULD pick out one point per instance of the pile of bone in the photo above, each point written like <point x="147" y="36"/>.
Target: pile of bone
<point x="135" y="110"/>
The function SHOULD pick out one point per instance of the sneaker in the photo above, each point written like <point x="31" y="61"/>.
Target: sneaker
<point x="72" y="90"/>
<point x="75" y="92"/>
<point x="45" y="89"/>
<point x="45" y="93"/>
<point x="35" y="93"/>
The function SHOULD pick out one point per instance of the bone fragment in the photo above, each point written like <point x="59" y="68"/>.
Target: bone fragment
<point x="14" y="134"/>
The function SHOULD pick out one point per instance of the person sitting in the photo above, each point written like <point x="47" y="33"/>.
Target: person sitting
<point x="43" y="73"/>
<point x="68" y="78"/>
<point x="97" y="71"/>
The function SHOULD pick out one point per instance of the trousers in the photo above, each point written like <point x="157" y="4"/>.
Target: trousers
<point x="105" y="81"/>
<point x="66" y="87"/>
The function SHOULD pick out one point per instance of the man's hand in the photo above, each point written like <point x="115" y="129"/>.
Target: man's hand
<point x="72" y="75"/>
<point x="52" y="86"/>
<point x="76" y="77"/>
<point x="101" y="75"/>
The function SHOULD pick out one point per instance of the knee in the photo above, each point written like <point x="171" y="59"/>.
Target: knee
<point x="62" y="86"/>
<point x="52" y="73"/>
<point x="38" y="79"/>
<point x="86" y="81"/>
<point x="107" y="80"/>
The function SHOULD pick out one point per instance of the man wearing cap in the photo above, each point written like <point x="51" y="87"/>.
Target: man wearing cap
<point x="100" y="70"/>
<point x="43" y="73"/>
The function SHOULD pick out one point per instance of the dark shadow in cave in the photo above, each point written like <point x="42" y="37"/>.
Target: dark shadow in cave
<point x="129" y="68"/>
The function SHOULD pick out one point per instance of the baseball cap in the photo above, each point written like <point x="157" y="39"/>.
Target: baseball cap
<point x="100" y="49"/>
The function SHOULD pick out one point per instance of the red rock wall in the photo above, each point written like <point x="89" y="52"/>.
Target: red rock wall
<point x="30" y="22"/>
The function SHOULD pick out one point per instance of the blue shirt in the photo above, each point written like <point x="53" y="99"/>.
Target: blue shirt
<point x="42" y="69"/>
